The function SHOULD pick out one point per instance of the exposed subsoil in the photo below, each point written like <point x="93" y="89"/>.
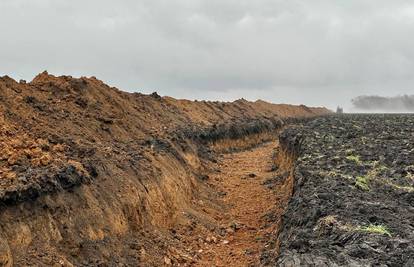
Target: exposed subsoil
<point x="239" y="178"/>
<point x="353" y="200"/>
<point x="93" y="176"/>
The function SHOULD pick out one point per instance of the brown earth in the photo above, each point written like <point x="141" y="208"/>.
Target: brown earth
<point x="93" y="176"/>
<point x="246" y="203"/>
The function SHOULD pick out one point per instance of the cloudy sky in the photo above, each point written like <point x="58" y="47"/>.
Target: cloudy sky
<point x="294" y="51"/>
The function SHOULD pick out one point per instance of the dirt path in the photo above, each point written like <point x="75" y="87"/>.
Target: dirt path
<point x="247" y="200"/>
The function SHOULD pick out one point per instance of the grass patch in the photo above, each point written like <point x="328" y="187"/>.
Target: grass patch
<point x="362" y="183"/>
<point x="410" y="175"/>
<point x="354" y="158"/>
<point x="349" y="151"/>
<point x="377" y="167"/>
<point x="376" y="229"/>
<point x="405" y="188"/>
<point x="364" y="139"/>
<point x="331" y="173"/>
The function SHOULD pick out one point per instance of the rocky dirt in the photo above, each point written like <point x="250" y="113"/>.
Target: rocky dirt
<point x="93" y="176"/>
<point x="353" y="200"/>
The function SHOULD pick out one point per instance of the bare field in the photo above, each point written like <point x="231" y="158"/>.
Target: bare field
<point x="353" y="201"/>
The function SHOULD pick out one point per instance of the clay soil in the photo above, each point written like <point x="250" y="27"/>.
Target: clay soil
<point x="240" y="178"/>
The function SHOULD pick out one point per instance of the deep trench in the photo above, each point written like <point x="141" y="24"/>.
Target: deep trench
<point x="258" y="183"/>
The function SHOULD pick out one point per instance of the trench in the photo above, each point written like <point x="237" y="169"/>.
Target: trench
<point x="254" y="199"/>
<point x="238" y="209"/>
<point x="99" y="177"/>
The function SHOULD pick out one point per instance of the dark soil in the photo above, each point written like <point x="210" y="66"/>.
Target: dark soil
<point x="353" y="198"/>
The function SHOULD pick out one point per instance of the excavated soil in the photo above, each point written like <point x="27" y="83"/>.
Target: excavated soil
<point x="93" y="176"/>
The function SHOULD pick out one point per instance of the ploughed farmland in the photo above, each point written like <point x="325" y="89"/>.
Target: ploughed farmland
<point x="353" y="195"/>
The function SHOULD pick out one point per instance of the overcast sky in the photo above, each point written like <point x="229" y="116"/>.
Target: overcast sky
<point x="293" y="51"/>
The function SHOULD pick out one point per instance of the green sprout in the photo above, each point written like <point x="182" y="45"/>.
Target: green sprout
<point x="376" y="229"/>
<point x="353" y="158"/>
<point x="405" y="188"/>
<point x="362" y="183"/>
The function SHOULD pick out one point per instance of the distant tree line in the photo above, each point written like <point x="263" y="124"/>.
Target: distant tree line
<point x="396" y="103"/>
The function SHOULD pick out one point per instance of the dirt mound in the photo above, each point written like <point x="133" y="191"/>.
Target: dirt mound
<point x="353" y="193"/>
<point x="91" y="175"/>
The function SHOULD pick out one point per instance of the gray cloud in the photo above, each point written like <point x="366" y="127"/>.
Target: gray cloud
<point x="313" y="52"/>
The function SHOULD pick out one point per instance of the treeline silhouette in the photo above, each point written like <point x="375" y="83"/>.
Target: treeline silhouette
<point x="396" y="103"/>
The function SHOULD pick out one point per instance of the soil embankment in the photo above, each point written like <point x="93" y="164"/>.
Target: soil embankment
<point x="93" y="176"/>
<point x="353" y="194"/>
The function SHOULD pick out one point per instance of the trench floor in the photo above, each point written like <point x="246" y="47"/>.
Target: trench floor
<point x="247" y="201"/>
